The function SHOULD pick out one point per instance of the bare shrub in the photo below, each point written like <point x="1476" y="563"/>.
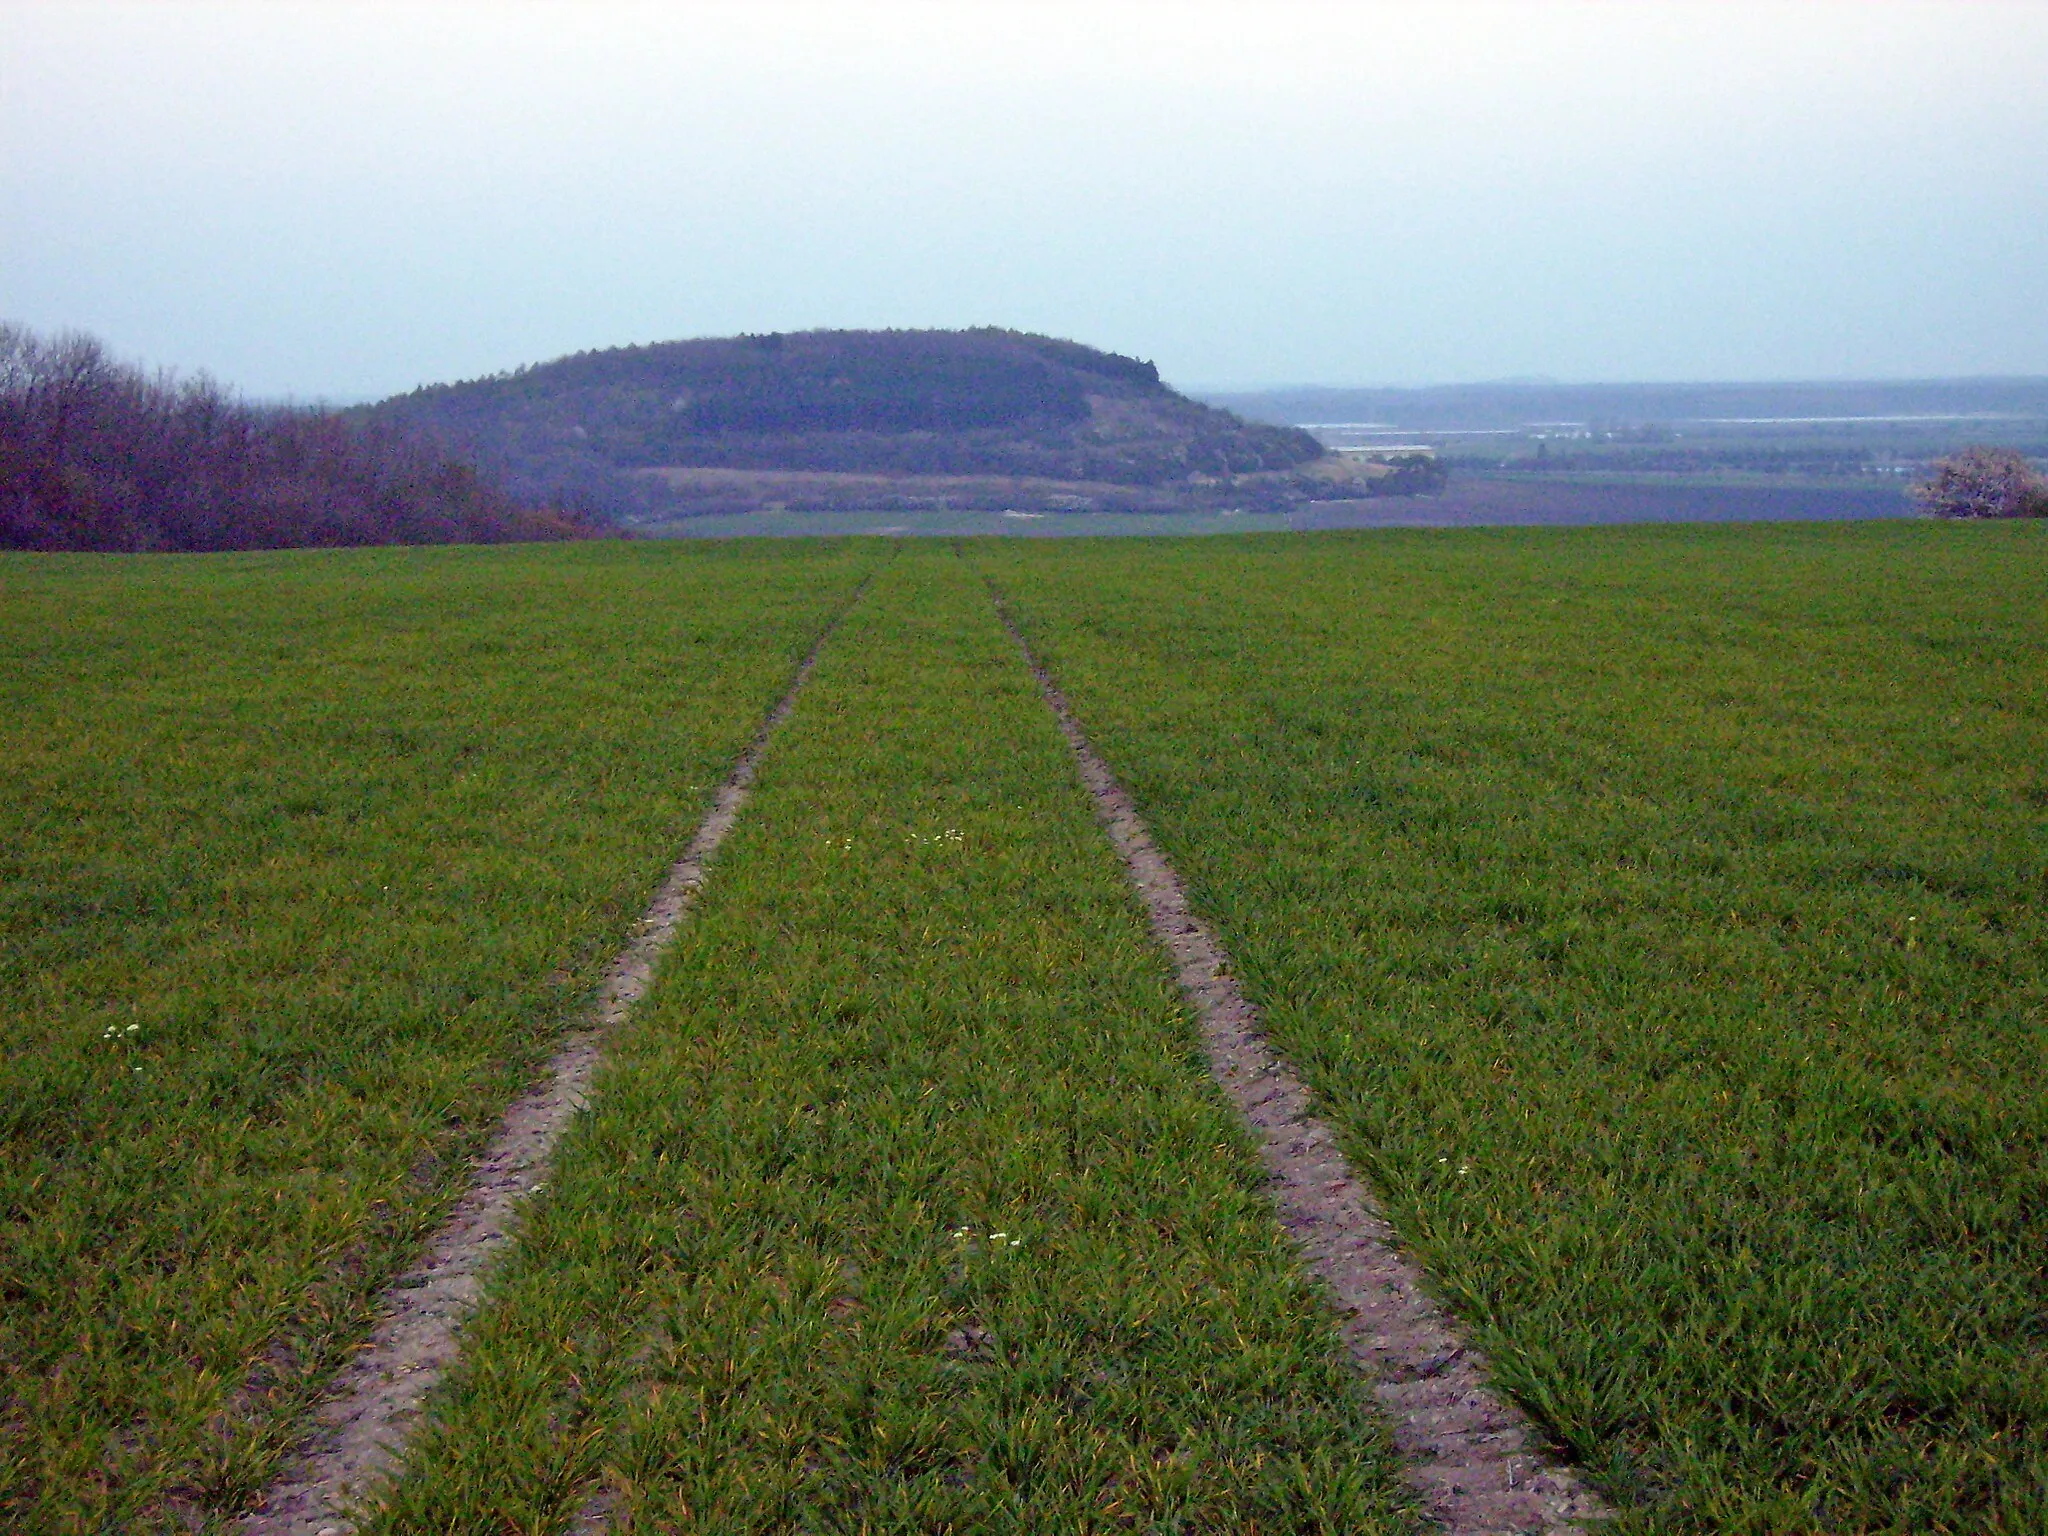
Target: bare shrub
<point x="1981" y="481"/>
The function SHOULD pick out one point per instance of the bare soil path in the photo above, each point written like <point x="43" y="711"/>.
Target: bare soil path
<point x="1474" y="1460"/>
<point x="360" y="1428"/>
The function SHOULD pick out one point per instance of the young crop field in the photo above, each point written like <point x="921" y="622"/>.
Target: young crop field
<point x="1659" y="917"/>
<point x="1656" y="916"/>
<point x="906" y="1204"/>
<point x="304" y="861"/>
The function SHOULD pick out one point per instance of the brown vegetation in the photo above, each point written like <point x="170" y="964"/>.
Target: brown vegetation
<point x="1981" y="481"/>
<point x="94" y="454"/>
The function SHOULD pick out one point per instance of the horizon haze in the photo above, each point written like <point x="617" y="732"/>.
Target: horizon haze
<point x="342" y="201"/>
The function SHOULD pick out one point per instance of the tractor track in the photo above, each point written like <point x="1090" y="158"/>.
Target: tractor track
<point x="1475" y="1463"/>
<point x="359" y="1428"/>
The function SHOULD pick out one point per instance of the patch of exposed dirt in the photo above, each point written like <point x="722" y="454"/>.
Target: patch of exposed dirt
<point x="1474" y="1460"/>
<point x="708" y="490"/>
<point x="360" y="1427"/>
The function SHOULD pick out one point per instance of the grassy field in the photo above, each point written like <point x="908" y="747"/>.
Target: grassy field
<point x="906" y="1205"/>
<point x="1659" y="915"/>
<point x="304" y="859"/>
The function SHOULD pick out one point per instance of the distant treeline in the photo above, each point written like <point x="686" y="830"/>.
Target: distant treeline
<point x="97" y="455"/>
<point x="818" y="381"/>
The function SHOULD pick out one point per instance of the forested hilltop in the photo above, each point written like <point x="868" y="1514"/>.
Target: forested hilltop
<point x="836" y="418"/>
<point x="97" y="455"/>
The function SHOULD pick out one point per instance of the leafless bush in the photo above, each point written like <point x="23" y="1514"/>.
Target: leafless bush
<point x="1981" y="481"/>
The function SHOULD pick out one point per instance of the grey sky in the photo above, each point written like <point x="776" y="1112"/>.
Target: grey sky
<point x="345" y="199"/>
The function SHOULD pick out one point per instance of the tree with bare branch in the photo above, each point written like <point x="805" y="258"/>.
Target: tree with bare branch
<point x="1981" y="481"/>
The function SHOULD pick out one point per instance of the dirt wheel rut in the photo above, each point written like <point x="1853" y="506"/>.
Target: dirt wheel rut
<point x="1474" y="1460"/>
<point x="359" y="1429"/>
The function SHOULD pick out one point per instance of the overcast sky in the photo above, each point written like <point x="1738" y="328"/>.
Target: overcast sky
<point x="338" y="200"/>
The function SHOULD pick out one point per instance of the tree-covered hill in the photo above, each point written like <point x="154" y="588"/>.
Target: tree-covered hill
<point x="988" y="403"/>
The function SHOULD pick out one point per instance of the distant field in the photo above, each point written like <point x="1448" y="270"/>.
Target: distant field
<point x="965" y="523"/>
<point x="1657" y="912"/>
<point x="304" y="860"/>
<point x="1661" y="915"/>
<point x="725" y="492"/>
<point x="1556" y="500"/>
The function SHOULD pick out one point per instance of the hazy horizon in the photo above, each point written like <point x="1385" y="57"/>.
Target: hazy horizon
<point x="1200" y="388"/>
<point x="341" y="201"/>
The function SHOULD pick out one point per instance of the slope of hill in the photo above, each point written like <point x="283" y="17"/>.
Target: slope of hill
<point x="834" y="418"/>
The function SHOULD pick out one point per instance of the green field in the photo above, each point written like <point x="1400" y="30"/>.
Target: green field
<point x="906" y="1205"/>
<point x="1660" y="915"/>
<point x="1657" y="914"/>
<point x="304" y="860"/>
